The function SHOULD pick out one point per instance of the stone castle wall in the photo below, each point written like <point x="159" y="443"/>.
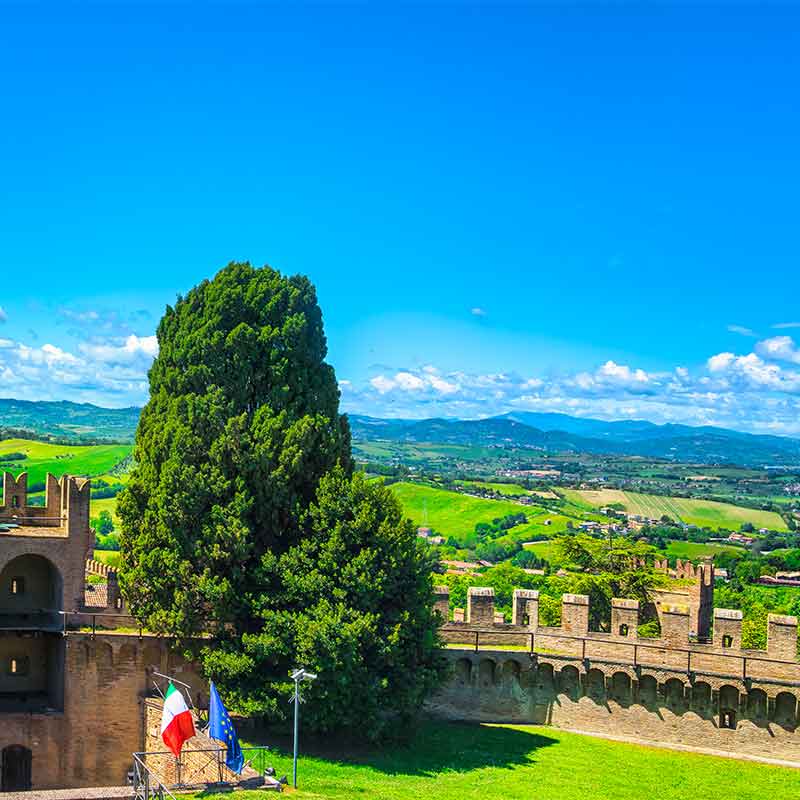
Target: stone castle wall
<point x="106" y="683"/>
<point x="671" y="690"/>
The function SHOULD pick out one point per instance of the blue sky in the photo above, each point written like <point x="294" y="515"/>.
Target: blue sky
<point x="591" y="210"/>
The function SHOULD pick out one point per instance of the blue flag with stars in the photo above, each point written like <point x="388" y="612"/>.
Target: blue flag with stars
<point x="220" y="727"/>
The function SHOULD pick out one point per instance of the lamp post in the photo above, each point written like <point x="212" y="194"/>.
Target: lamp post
<point x="297" y="676"/>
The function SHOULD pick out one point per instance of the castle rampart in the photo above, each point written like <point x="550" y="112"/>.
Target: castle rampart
<point x="673" y="689"/>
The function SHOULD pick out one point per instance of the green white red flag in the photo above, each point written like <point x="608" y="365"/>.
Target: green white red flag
<point x="177" y="725"/>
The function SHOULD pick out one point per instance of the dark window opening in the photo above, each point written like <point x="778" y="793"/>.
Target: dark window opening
<point x="526" y="620"/>
<point x="623" y="630"/>
<point x="727" y="640"/>
<point x="15" y="502"/>
<point x="16" y="769"/>
<point x="728" y="720"/>
<point x="118" y="603"/>
<point x="18" y="585"/>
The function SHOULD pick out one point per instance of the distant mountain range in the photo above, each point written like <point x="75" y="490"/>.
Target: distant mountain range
<point x="553" y="433"/>
<point x="550" y="433"/>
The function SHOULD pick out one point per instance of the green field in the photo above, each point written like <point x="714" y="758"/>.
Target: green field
<point x="105" y="504"/>
<point x="703" y="513"/>
<point x="546" y="550"/>
<point x="41" y="458"/>
<point x="500" y="488"/>
<point x="450" y="761"/>
<point x="110" y="557"/>
<point x="694" y="550"/>
<point x="455" y="514"/>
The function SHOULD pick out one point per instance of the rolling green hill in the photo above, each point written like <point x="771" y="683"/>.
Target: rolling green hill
<point x="41" y="458"/>
<point x="703" y="513"/>
<point x="455" y="514"/>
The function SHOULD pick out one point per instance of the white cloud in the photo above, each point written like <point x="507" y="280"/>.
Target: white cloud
<point x="382" y="384"/>
<point x="409" y="382"/>
<point x="3" y="315"/>
<point x="779" y="348"/>
<point x="126" y="352"/>
<point x="720" y="362"/>
<point x="784" y="325"/>
<point x="477" y="311"/>
<point x="740" y="329"/>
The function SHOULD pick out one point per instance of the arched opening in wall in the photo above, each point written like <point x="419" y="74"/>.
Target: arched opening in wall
<point x="31" y="593"/>
<point x="486" y="673"/>
<point x="596" y="685"/>
<point x="757" y="705"/>
<point x="511" y="672"/>
<point x="569" y="682"/>
<point x="545" y="681"/>
<point x="463" y="672"/>
<point x="16" y="769"/>
<point x="786" y="711"/>
<point x="621" y="688"/>
<point x="648" y="691"/>
<point x="701" y="698"/>
<point x="728" y="707"/>
<point x="675" y="696"/>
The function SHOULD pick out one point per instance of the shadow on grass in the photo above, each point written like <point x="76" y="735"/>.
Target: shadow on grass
<point x="437" y="747"/>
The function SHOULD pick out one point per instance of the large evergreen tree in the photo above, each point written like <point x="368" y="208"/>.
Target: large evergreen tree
<point x="242" y="518"/>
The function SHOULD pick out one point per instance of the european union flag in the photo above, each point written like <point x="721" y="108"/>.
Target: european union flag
<point x="220" y="727"/>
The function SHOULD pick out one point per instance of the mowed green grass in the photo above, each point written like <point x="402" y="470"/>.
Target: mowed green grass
<point x="451" y="761"/>
<point x="703" y="513"/>
<point x="455" y="514"/>
<point x="41" y="458"/>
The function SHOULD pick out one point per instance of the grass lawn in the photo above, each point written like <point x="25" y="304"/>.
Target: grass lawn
<point x="703" y="513"/>
<point x="41" y="458"/>
<point x="450" y="761"/>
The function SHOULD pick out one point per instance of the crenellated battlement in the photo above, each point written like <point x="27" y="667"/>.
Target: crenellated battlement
<point x="66" y="505"/>
<point x="720" y="653"/>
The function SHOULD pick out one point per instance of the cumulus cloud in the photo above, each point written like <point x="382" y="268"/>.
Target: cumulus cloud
<point x="757" y="391"/>
<point x="111" y="373"/>
<point x="779" y="348"/>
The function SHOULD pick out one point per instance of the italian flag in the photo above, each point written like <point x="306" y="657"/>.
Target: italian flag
<point x="177" y="725"/>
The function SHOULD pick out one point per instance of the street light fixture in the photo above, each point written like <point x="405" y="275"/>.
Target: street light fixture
<point x="297" y="676"/>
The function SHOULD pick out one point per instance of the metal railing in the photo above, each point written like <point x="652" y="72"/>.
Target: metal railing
<point x="636" y="649"/>
<point x="95" y="615"/>
<point x="196" y="768"/>
<point x="146" y="784"/>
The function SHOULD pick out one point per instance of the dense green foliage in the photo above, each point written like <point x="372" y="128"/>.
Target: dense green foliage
<point x="448" y="761"/>
<point x="242" y="519"/>
<point x="600" y="569"/>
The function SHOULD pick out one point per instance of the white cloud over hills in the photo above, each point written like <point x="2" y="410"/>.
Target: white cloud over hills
<point x="757" y="391"/>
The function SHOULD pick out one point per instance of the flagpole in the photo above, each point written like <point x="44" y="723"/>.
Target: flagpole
<point x="296" y="730"/>
<point x="297" y="676"/>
